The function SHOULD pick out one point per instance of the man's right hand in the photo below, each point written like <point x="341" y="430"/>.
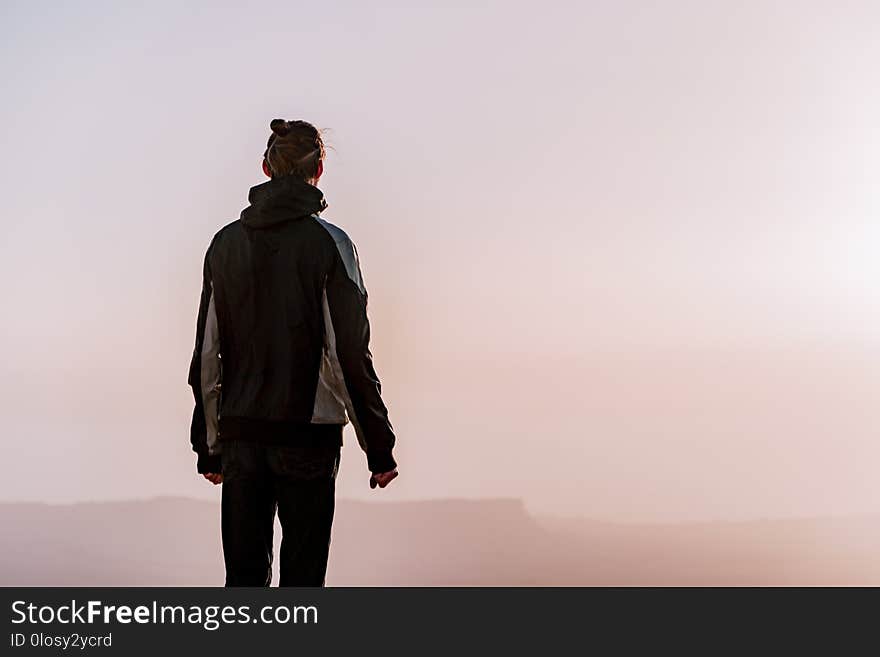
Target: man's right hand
<point x="382" y="479"/>
<point x="214" y="477"/>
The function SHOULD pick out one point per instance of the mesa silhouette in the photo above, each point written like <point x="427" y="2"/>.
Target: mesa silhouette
<point x="175" y="542"/>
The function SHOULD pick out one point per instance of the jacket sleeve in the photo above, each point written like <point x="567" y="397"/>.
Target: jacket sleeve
<point x="198" y="436"/>
<point x="345" y="316"/>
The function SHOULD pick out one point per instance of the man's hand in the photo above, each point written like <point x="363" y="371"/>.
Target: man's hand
<point x="382" y="479"/>
<point x="214" y="478"/>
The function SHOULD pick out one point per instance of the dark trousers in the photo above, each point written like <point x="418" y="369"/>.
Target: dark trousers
<point x="296" y="481"/>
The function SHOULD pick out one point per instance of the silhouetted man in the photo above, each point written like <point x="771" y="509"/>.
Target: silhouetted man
<point x="281" y="362"/>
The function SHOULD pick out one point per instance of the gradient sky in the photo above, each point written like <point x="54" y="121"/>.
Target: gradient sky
<point x="622" y="256"/>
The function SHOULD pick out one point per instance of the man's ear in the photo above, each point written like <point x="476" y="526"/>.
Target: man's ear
<point x="320" y="170"/>
<point x="266" y="168"/>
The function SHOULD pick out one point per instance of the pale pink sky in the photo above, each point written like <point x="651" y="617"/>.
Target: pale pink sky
<point x="622" y="256"/>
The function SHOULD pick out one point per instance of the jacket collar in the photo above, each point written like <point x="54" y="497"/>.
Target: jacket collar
<point x="281" y="199"/>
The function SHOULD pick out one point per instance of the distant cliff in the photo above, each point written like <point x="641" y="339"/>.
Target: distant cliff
<point x="173" y="541"/>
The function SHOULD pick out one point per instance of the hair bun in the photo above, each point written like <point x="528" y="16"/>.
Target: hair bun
<point x="280" y="127"/>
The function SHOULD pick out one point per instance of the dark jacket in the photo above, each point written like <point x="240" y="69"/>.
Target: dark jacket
<point x="282" y="337"/>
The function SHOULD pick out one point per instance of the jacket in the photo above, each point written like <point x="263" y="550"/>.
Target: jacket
<point x="282" y="335"/>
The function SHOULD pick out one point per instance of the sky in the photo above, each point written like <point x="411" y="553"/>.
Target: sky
<point x="621" y="256"/>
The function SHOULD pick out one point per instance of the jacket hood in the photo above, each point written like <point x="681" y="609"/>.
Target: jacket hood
<point x="281" y="199"/>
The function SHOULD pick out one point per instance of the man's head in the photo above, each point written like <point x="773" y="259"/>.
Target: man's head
<point x="295" y="148"/>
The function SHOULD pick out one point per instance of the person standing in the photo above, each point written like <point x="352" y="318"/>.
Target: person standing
<point x="281" y="363"/>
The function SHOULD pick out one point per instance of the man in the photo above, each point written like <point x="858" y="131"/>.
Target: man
<point x="281" y="362"/>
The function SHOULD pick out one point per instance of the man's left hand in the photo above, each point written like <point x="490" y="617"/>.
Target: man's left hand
<point x="382" y="479"/>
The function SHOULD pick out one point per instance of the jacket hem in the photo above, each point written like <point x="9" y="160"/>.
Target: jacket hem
<point x="284" y="432"/>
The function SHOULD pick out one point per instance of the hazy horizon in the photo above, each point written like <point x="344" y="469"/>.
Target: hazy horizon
<point x="173" y="542"/>
<point x="621" y="256"/>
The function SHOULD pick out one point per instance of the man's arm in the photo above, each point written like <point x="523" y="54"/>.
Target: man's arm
<point x="345" y="317"/>
<point x="208" y="462"/>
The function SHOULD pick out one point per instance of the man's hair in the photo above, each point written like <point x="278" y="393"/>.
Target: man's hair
<point x="295" y="148"/>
